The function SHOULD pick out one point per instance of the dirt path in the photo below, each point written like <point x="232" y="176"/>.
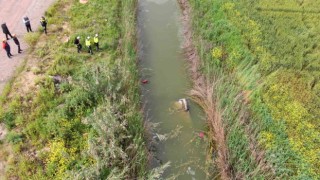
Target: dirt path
<point x="12" y="13"/>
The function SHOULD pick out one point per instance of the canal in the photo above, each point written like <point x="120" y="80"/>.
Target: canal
<point x="165" y="81"/>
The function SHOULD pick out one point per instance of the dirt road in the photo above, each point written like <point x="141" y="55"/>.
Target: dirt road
<point x="12" y="12"/>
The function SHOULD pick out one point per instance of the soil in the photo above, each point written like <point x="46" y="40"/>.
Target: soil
<point x="3" y="131"/>
<point x="189" y="48"/>
<point x="83" y="1"/>
<point x="12" y="13"/>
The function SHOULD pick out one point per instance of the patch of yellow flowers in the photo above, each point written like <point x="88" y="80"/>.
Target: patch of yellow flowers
<point x="60" y="157"/>
<point x="304" y="137"/>
<point x="217" y="52"/>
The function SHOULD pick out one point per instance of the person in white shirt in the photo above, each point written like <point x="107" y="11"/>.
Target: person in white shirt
<point x="26" y="22"/>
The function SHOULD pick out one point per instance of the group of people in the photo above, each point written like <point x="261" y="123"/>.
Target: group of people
<point x="43" y="22"/>
<point x="5" y="30"/>
<point x="88" y="43"/>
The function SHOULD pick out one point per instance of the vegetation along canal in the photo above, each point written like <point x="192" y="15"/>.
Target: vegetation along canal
<point x="178" y="137"/>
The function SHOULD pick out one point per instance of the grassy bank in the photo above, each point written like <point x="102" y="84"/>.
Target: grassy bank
<point x="88" y="125"/>
<point x="265" y="72"/>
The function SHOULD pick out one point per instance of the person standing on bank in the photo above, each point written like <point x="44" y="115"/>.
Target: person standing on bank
<point x="96" y="41"/>
<point x="5" y="30"/>
<point x="16" y="41"/>
<point x="78" y="44"/>
<point x="6" y="47"/>
<point x="43" y="22"/>
<point x="88" y="44"/>
<point x="26" y="22"/>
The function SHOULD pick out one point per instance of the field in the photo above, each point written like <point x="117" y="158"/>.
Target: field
<point x="86" y="124"/>
<point x="265" y="54"/>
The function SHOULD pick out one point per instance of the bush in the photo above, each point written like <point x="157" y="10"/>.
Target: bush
<point x="14" y="137"/>
<point x="8" y="119"/>
<point x="32" y="38"/>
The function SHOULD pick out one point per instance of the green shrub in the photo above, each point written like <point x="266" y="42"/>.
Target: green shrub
<point x="9" y="119"/>
<point x="32" y="38"/>
<point x="14" y="137"/>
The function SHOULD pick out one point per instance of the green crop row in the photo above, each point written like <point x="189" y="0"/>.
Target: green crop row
<point x="88" y="125"/>
<point x="271" y="56"/>
<point x="291" y="85"/>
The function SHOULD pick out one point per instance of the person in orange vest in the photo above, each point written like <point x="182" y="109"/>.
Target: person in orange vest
<point x="96" y="41"/>
<point x="6" y="47"/>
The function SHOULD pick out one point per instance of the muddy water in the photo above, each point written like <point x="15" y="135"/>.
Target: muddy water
<point x="164" y="66"/>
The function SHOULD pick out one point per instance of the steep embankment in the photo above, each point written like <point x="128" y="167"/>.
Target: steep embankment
<point x="73" y="115"/>
<point x="262" y="63"/>
<point x="203" y="93"/>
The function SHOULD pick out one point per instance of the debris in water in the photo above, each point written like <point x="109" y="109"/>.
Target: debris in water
<point x="190" y="171"/>
<point x="144" y="81"/>
<point x="181" y="105"/>
<point x="160" y="137"/>
<point x="184" y="104"/>
<point x="201" y="135"/>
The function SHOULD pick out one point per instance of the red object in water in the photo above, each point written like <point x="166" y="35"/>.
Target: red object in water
<point x="201" y="134"/>
<point x="145" y="81"/>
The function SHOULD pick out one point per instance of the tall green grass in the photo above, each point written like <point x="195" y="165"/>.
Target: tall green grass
<point x="88" y="126"/>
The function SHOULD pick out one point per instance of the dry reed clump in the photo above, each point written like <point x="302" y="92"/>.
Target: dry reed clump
<point x="204" y="96"/>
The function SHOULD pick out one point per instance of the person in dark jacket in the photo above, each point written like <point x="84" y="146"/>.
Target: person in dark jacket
<point x="6" y="47"/>
<point x="44" y="22"/>
<point x="16" y="41"/>
<point x="26" y="22"/>
<point x="5" y="30"/>
<point x="78" y="44"/>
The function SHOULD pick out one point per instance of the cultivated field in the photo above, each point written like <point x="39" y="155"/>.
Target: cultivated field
<point x="270" y="49"/>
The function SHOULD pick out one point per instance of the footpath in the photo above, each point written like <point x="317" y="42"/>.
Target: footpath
<point x="12" y="13"/>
